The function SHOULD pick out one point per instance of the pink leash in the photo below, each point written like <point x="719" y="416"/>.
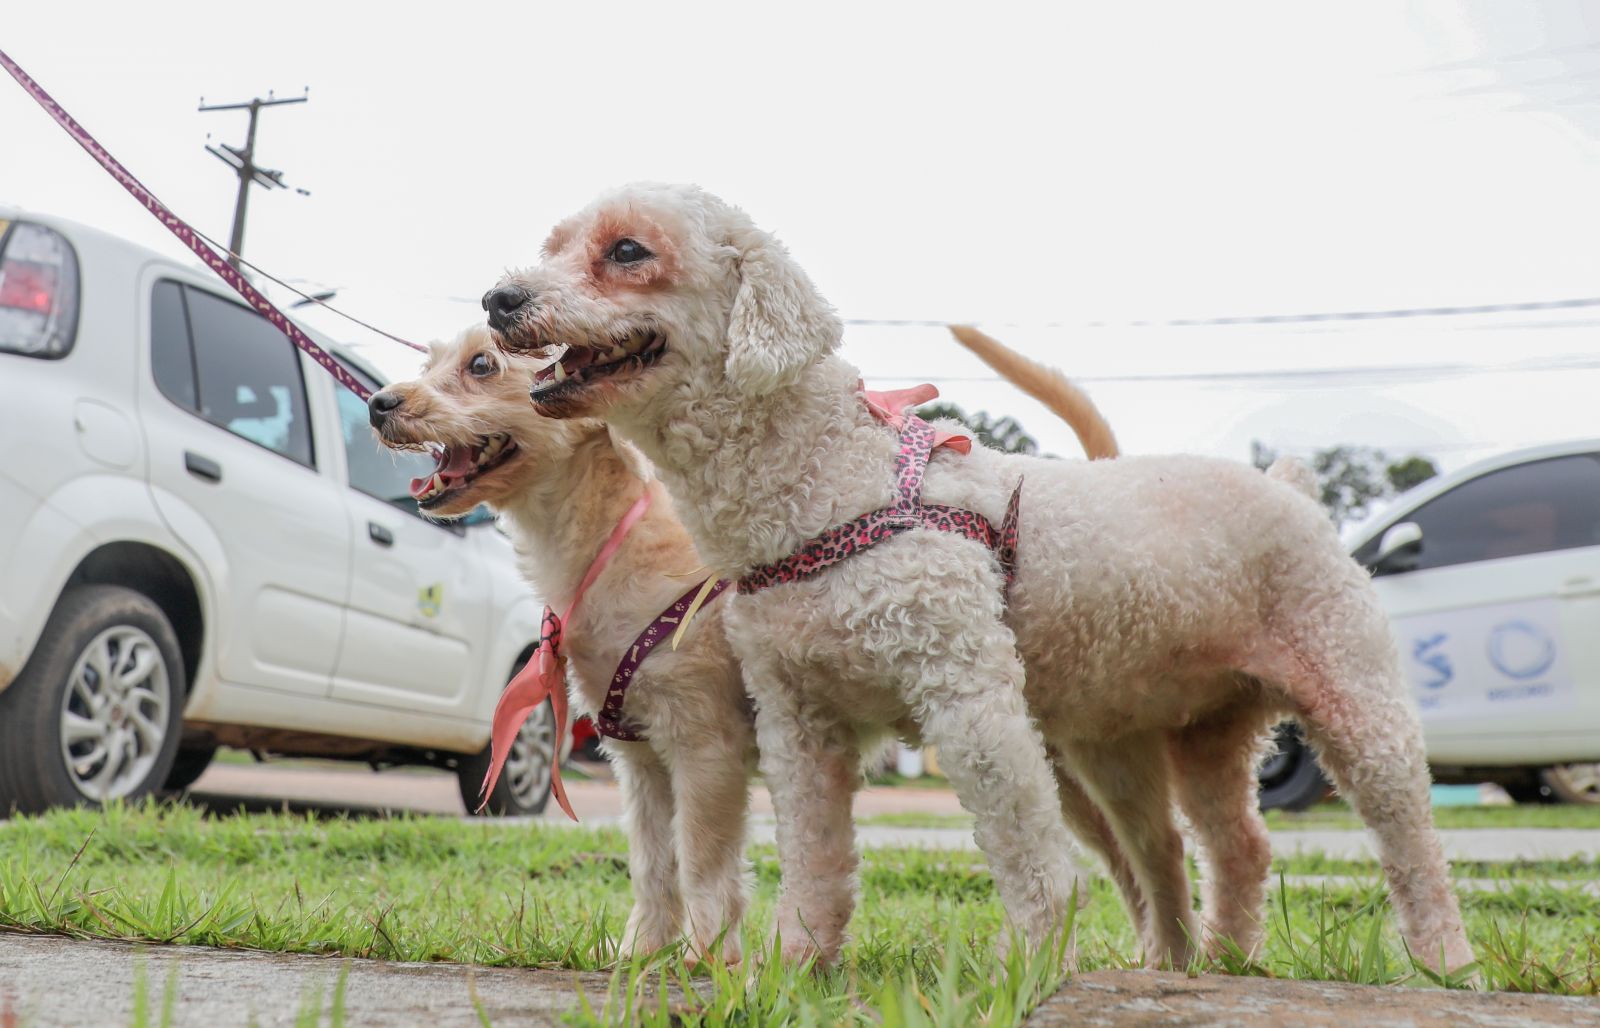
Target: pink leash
<point x="545" y="674"/>
<point x="187" y="235"/>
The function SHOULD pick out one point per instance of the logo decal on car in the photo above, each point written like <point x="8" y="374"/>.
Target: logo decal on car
<point x="1427" y="652"/>
<point x="1520" y="649"/>
<point x="430" y="598"/>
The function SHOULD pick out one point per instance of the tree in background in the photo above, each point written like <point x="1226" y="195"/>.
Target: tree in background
<point x="1002" y="433"/>
<point x="1352" y="478"/>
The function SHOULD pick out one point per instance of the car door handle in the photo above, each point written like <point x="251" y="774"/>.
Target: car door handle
<point x="202" y="467"/>
<point x="1574" y="587"/>
<point x="380" y="535"/>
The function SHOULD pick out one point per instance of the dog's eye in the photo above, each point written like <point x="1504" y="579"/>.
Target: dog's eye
<point x="628" y="251"/>
<point x="481" y="366"/>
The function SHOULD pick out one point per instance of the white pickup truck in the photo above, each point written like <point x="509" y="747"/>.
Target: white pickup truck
<point x="202" y="545"/>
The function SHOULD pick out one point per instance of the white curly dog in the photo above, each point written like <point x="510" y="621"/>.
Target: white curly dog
<point x="1164" y="611"/>
<point x="561" y="485"/>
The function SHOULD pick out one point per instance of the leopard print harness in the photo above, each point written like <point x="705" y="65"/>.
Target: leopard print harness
<point x="834" y="545"/>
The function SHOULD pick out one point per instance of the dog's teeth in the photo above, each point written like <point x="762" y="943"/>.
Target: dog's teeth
<point x="616" y="352"/>
<point x="560" y="372"/>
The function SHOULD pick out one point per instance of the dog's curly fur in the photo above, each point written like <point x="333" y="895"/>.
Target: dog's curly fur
<point x="560" y="490"/>
<point x="1165" y="610"/>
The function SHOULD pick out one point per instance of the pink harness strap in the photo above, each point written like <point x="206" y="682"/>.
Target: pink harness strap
<point x="545" y="674"/>
<point x="918" y="439"/>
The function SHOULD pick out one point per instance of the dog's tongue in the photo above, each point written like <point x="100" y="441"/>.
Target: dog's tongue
<point x="454" y="464"/>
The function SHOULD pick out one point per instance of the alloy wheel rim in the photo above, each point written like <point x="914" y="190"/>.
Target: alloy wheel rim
<point x="114" y="712"/>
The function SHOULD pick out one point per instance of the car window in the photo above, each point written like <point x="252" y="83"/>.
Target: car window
<point x="1530" y="508"/>
<point x="374" y="468"/>
<point x="246" y="374"/>
<point x="171" y="356"/>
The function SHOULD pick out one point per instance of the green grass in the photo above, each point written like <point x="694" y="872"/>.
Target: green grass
<point x="924" y="934"/>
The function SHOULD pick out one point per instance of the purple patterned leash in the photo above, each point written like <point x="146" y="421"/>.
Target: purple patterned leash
<point x="609" y="721"/>
<point x="178" y="227"/>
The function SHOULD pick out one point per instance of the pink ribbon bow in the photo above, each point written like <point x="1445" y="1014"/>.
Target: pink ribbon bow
<point x="889" y="406"/>
<point x="545" y="674"/>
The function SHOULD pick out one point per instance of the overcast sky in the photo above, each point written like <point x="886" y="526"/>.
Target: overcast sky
<point x="1053" y="176"/>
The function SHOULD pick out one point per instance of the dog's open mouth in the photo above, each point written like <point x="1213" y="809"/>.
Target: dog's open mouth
<point x="581" y="365"/>
<point x="456" y="467"/>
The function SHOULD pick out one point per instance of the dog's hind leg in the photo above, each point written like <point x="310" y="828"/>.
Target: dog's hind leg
<point x="1089" y="825"/>
<point x="657" y="915"/>
<point x="711" y="785"/>
<point x="1340" y="668"/>
<point x="1130" y="780"/>
<point x="1215" y="763"/>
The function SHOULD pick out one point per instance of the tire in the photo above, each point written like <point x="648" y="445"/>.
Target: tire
<point x="1290" y="778"/>
<point x="1573" y="783"/>
<point x="524" y="786"/>
<point x="1530" y="790"/>
<point x="96" y="712"/>
<point x="187" y="767"/>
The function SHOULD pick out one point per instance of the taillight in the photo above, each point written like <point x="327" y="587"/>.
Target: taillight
<point x="38" y="291"/>
<point x="27" y="287"/>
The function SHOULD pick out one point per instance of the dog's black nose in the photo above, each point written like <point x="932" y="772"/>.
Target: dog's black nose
<point x="502" y="302"/>
<point x="380" y="405"/>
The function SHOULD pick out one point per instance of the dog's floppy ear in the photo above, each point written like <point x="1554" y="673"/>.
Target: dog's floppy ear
<point x="779" y="324"/>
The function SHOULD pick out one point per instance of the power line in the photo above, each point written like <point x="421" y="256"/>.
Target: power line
<point x="243" y="163"/>
<point x="1415" y="371"/>
<point x="1259" y="319"/>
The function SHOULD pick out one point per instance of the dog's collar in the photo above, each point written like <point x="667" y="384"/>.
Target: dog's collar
<point x="544" y="676"/>
<point x="609" y="721"/>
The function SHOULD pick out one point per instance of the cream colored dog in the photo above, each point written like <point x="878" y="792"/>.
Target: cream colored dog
<point x="1165" y="609"/>
<point x="562" y="486"/>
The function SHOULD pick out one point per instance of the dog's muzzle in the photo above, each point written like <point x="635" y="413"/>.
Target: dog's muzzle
<point x="503" y="303"/>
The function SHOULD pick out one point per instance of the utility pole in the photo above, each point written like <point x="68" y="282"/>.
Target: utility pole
<point x="244" y="164"/>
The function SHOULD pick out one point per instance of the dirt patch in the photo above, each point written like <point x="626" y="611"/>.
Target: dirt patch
<point x="1140" y="998"/>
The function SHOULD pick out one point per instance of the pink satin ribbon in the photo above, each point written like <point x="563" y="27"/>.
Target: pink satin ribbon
<point x="545" y="674"/>
<point x="889" y="406"/>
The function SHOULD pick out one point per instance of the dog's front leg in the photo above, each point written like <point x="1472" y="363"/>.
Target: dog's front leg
<point x="812" y="767"/>
<point x="657" y="914"/>
<point x="976" y="715"/>
<point x="711" y="783"/>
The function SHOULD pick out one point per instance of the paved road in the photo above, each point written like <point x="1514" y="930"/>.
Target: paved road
<point x="227" y="987"/>
<point x="346" y="791"/>
<point x="356" y="791"/>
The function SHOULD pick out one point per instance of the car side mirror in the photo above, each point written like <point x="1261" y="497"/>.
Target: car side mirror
<point x="1399" y="549"/>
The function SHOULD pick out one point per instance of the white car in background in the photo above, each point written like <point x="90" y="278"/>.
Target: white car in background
<point x="1491" y="579"/>
<point x="201" y="544"/>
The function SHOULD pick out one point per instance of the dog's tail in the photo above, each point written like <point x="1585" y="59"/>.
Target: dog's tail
<point x="1295" y="472"/>
<point x="1047" y="385"/>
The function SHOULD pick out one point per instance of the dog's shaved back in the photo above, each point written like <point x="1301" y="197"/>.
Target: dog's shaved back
<point x="1047" y="385"/>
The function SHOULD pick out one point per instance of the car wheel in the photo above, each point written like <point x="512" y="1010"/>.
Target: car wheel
<point x="524" y="786"/>
<point x="187" y="767"/>
<point x="1573" y="783"/>
<point x="1530" y="790"/>
<point x="1290" y="779"/>
<point x="95" y="714"/>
